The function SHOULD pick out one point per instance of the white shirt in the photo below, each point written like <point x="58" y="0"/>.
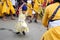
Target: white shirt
<point x="29" y="1"/>
<point x="33" y="12"/>
<point x="13" y="2"/>
<point x="54" y="24"/>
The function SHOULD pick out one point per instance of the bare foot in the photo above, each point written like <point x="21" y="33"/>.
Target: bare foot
<point x="13" y="18"/>
<point x="4" y="19"/>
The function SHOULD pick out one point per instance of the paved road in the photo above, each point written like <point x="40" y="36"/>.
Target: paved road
<point x="36" y="31"/>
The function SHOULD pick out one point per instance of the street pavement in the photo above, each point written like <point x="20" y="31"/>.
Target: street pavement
<point x="7" y="31"/>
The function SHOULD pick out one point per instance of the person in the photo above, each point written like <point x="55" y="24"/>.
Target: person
<point x="20" y="4"/>
<point x="7" y="8"/>
<point x="13" y="3"/>
<point x="40" y="12"/>
<point x="51" y="20"/>
<point x="34" y="11"/>
<point x="30" y="10"/>
<point x="29" y="7"/>
<point x="32" y="17"/>
<point x="36" y="8"/>
<point x="21" y="26"/>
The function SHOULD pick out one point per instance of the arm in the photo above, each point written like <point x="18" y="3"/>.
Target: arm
<point x="22" y="5"/>
<point x="45" y="18"/>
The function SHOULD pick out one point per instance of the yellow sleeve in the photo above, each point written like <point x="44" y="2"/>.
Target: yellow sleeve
<point x="45" y="18"/>
<point x="29" y="5"/>
<point x="41" y="1"/>
<point x="2" y="0"/>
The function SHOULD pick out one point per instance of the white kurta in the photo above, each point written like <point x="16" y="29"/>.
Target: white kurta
<point x="21" y="24"/>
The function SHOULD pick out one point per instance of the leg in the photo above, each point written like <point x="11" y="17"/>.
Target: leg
<point x="35" y="16"/>
<point x="4" y="17"/>
<point x="17" y="32"/>
<point x="23" y="33"/>
<point x="12" y="17"/>
<point x="30" y="18"/>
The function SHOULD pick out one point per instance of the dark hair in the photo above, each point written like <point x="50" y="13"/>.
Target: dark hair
<point x="32" y="4"/>
<point x="25" y="1"/>
<point x="24" y="8"/>
<point x="56" y="0"/>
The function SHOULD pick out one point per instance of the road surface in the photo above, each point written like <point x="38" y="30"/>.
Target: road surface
<point x="35" y="33"/>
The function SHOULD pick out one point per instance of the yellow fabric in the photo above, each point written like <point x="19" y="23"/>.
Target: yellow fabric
<point x="3" y="0"/>
<point x="11" y="7"/>
<point x="48" y="12"/>
<point x="40" y="10"/>
<point x="41" y="1"/>
<point x="29" y="9"/>
<point x="4" y="8"/>
<point x="36" y="6"/>
<point x="0" y="9"/>
<point x="7" y="9"/>
<point x="52" y="34"/>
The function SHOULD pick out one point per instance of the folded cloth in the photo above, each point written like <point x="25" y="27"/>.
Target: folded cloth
<point x="54" y="23"/>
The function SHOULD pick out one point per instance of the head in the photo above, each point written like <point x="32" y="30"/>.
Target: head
<point x="24" y="9"/>
<point x="57" y="1"/>
<point x="23" y="12"/>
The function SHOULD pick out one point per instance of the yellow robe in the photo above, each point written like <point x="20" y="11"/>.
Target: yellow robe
<point x="41" y="1"/>
<point x="52" y="33"/>
<point x="6" y="9"/>
<point x="0" y="9"/>
<point x="36" y="6"/>
<point x="29" y="9"/>
<point x="11" y="8"/>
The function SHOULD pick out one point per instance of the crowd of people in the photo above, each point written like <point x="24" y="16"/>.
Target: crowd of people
<point x="6" y="8"/>
<point x="47" y="10"/>
<point x="35" y="8"/>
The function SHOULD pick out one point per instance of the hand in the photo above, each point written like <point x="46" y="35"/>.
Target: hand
<point x="24" y="3"/>
<point x="47" y="28"/>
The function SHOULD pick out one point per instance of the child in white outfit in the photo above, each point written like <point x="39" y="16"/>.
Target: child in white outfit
<point x="21" y="26"/>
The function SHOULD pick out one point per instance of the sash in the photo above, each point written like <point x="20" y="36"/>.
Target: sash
<point x="54" y="23"/>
